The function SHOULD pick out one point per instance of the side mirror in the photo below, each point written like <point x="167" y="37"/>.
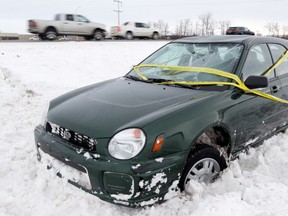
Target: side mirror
<point x="254" y="82"/>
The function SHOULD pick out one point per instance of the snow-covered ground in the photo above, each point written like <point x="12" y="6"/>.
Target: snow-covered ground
<point x="33" y="73"/>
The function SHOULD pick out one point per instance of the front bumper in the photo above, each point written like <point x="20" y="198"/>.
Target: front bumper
<point x="128" y="183"/>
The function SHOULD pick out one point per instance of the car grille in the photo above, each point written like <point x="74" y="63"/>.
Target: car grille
<point x="73" y="137"/>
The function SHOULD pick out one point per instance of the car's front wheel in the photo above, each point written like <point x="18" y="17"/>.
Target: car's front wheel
<point x="203" y="166"/>
<point x="98" y="35"/>
<point x="129" y="36"/>
<point x="155" y="36"/>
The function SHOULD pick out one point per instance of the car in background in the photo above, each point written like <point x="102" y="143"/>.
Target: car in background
<point x="67" y="25"/>
<point x="131" y="30"/>
<point x="239" y="31"/>
<point x="177" y="117"/>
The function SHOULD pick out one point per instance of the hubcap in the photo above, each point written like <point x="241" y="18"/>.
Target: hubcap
<point x="205" y="170"/>
<point x="51" y="35"/>
<point x="129" y="36"/>
<point x="98" y="36"/>
<point x="155" y="36"/>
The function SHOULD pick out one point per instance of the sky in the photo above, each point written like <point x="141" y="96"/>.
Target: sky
<point x="254" y="14"/>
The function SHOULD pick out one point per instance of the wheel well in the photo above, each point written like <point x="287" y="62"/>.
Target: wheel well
<point x="217" y="137"/>
<point x="129" y="32"/>
<point x="98" y="29"/>
<point x="51" y="28"/>
<point x="155" y="32"/>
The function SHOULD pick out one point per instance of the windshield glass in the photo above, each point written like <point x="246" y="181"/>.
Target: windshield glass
<point x="221" y="56"/>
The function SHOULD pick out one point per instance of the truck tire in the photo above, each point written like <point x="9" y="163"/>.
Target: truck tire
<point x="50" y="34"/>
<point x="88" y="37"/>
<point x="42" y="36"/>
<point x="204" y="165"/>
<point x="129" y="36"/>
<point x="98" y="35"/>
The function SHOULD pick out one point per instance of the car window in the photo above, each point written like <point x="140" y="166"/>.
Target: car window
<point x="69" y="17"/>
<point x="145" y="25"/>
<point x="258" y="61"/>
<point x="277" y="51"/>
<point x="140" y="25"/>
<point x="81" y="19"/>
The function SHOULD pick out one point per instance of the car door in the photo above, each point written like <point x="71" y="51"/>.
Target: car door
<point x="277" y="51"/>
<point x="257" y="116"/>
<point x="141" y="30"/>
<point x="84" y="26"/>
<point x="70" y="25"/>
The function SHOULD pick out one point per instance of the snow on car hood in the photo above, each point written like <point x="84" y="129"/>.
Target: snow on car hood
<point x="104" y="109"/>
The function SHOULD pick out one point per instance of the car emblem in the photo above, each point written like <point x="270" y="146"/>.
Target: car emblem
<point x="66" y="135"/>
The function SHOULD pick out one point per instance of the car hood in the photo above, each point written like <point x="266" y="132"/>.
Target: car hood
<point x="104" y="109"/>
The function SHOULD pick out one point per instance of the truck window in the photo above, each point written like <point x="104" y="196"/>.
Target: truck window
<point x="57" y="17"/>
<point x="69" y="17"/>
<point x="80" y="18"/>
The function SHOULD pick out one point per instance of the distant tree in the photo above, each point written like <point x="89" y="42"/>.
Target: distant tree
<point x="187" y="27"/>
<point x="273" y="29"/>
<point x="197" y="29"/>
<point x="184" y="28"/>
<point x="207" y="24"/>
<point x="285" y="30"/>
<point x="162" y="26"/>
<point x="224" y="25"/>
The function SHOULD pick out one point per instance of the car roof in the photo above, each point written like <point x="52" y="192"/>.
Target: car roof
<point x="243" y="39"/>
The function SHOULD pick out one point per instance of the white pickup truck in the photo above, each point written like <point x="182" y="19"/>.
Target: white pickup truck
<point x="130" y="30"/>
<point x="67" y="24"/>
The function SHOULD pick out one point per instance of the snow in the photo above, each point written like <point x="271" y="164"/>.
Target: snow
<point x="33" y="73"/>
<point x="159" y="160"/>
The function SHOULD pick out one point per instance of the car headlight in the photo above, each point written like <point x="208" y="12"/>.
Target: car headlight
<point x="44" y="115"/>
<point x="127" y="143"/>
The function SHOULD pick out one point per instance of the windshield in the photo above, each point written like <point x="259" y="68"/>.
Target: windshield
<point x="221" y="56"/>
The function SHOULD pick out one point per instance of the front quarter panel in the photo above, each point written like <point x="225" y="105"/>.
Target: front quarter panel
<point x="182" y="127"/>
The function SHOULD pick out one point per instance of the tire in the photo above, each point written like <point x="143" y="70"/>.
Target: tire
<point x="88" y="37"/>
<point x="98" y="35"/>
<point x="50" y="34"/>
<point x="42" y="36"/>
<point x="129" y="36"/>
<point x="203" y="166"/>
<point x="155" y="36"/>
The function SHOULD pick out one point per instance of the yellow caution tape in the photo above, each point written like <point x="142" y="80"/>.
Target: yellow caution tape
<point x="238" y="83"/>
<point x="280" y="60"/>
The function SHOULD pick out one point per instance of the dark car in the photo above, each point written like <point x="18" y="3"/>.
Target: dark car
<point x="178" y="116"/>
<point x="239" y="31"/>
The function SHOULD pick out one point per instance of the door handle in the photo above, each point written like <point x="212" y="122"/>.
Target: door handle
<point x="274" y="89"/>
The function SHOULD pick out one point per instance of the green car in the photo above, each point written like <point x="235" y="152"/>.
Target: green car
<point x="179" y="116"/>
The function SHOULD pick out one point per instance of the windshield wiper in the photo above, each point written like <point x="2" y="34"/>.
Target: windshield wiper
<point x="136" y="78"/>
<point x="186" y="86"/>
<point x="158" y="80"/>
<point x="149" y="80"/>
